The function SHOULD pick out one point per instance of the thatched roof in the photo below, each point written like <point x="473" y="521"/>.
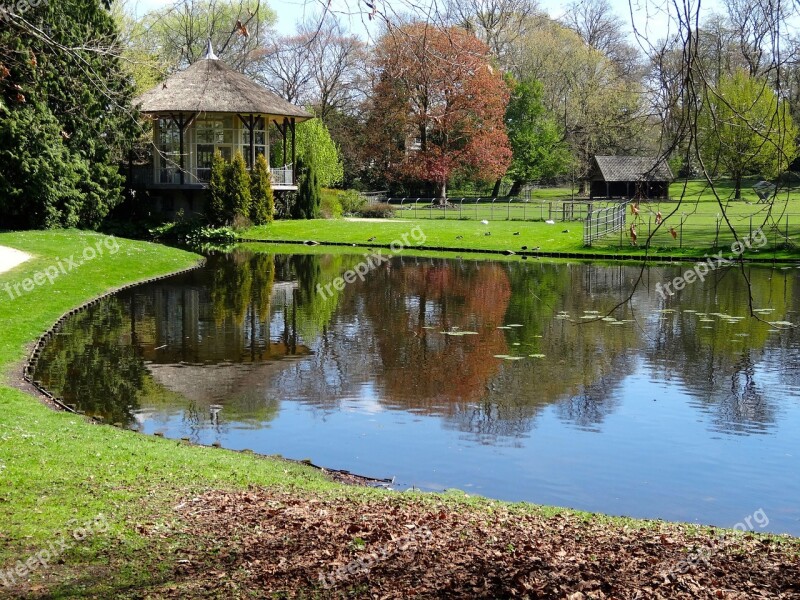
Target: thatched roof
<point x="631" y="168"/>
<point x="209" y="85"/>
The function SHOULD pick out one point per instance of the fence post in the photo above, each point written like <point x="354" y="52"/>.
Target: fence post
<point x="508" y="212"/>
<point x="716" y="237"/>
<point x="680" y="242"/>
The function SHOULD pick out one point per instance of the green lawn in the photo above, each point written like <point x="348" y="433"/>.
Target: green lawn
<point x="692" y="226"/>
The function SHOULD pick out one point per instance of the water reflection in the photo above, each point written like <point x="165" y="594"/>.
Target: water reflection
<point x="245" y="351"/>
<point x="249" y="329"/>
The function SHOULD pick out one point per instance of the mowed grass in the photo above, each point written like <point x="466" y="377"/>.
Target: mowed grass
<point x="58" y="472"/>
<point x="426" y="234"/>
<point x="693" y="224"/>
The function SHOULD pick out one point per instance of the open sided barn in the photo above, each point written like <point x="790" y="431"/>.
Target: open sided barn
<point x="632" y="177"/>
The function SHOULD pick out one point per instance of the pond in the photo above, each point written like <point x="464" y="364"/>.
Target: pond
<point x="496" y="378"/>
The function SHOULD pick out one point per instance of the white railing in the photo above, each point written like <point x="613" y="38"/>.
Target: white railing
<point x="603" y="221"/>
<point x="283" y="175"/>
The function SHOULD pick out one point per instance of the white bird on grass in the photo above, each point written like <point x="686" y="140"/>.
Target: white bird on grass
<point x="485" y="222"/>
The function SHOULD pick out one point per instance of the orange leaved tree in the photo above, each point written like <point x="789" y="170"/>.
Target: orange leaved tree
<point x="439" y="104"/>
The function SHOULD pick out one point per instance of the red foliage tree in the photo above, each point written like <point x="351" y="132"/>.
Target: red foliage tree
<point x="441" y="87"/>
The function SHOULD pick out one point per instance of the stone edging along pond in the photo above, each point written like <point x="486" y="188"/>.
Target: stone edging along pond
<point x="30" y="364"/>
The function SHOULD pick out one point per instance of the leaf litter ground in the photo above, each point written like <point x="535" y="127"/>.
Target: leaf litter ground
<point x="276" y="544"/>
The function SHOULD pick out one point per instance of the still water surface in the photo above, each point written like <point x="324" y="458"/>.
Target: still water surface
<point x="494" y="378"/>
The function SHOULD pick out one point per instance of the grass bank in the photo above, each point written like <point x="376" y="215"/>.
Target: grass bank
<point x="58" y="472"/>
<point x="95" y="511"/>
<point x="533" y="238"/>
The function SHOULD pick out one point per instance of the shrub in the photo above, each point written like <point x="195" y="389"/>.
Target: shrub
<point x="218" y="235"/>
<point x="217" y="196"/>
<point x="309" y="192"/>
<point x="352" y="202"/>
<point x="237" y="186"/>
<point x="262" y="200"/>
<point x="377" y="211"/>
<point x="330" y="206"/>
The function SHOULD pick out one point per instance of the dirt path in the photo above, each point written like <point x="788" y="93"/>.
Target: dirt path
<point x="263" y="543"/>
<point x="10" y="258"/>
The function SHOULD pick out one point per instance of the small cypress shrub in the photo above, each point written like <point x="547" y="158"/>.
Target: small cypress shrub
<point x="216" y="210"/>
<point x="309" y="193"/>
<point x="237" y="188"/>
<point x="262" y="204"/>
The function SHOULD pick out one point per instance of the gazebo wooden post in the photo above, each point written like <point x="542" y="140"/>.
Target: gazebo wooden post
<point x="283" y="132"/>
<point x="250" y="124"/>
<point x="182" y="125"/>
<point x="294" y="166"/>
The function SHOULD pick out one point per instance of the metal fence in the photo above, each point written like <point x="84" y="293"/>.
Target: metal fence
<point x="603" y="221"/>
<point x="504" y="208"/>
<point x="703" y="229"/>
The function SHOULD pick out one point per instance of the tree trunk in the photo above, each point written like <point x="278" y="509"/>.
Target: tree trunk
<point x="496" y="188"/>
<point x="515" y="187"/>
<point x="738" y="192"/>
<point x="441" y="192"/>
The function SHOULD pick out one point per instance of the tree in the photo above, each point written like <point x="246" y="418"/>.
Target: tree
<point x="314" y="140"/>
<point x="498" y="23"/>
<point x="335" y="62"/>
<point x="537" y="141"/>
<point x="262" y="204"/>
<point x="746" y="129"/>
<point x="66" y="113"/>
<point x="309" y="194"/>
<point x="447" y="95"/>
<point x="602" y="109"/>
<point x="237" y="188"/>
<point x="174" y="37"/>
<point x="283" y="66"/>
<point x="217" y="208"/>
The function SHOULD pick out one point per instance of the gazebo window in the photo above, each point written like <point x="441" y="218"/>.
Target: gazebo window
<point x="259" y="137"/>
<point x="212" y="135"/>
<point x="169" y="150"/>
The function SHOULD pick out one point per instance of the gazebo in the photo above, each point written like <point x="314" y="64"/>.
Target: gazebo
<point x="206" y="108"/>
<point x="639" y="177"/>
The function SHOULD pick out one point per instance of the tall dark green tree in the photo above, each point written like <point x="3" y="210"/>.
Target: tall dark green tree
<point x="65" y="114"/>
<point x="309" y="192"/>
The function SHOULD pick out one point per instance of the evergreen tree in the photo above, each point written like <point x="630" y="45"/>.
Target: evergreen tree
<point x="309" y="193"/>
<point x="262" y="203"/>
<point x="58" y="62"/>
<point x="237" y="188"/>
<point x="216" y="209"/>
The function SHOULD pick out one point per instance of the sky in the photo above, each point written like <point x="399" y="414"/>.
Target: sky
<point x="649" y="16"/>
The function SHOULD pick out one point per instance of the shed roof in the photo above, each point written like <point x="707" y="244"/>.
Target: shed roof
<point x="632" y="168"/>
<point x="209" y="85"/>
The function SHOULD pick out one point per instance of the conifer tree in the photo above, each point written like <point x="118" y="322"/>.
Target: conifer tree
<point x="262" y="200"/>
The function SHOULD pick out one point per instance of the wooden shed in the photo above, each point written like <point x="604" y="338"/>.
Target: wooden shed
<point x="210" y="107"/>
<point x="634" y="177"/>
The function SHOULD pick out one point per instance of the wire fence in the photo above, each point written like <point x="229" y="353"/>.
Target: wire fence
<point x="509" y="208"/>
<point x="702" y="229"/>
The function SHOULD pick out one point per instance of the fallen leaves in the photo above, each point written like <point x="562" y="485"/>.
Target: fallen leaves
<point x="263" y="542"/>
